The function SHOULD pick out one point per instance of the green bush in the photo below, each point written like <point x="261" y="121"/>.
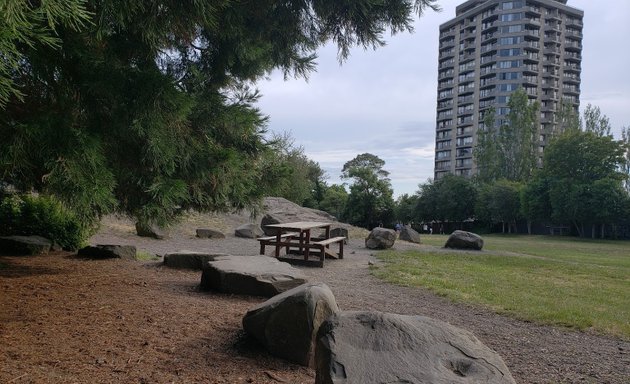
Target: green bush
<point x="43" y="216"/>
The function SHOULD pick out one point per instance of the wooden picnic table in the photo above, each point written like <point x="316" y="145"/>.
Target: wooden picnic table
<point x="298" y="235"/>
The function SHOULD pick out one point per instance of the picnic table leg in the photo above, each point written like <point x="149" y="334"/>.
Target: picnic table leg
<point x="307" y="240"/>
<point x="278" y="239"/>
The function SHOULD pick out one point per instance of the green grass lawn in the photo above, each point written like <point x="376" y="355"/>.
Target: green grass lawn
<point x="582" y="284"/>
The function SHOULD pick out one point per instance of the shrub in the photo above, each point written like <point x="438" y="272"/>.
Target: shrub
<point x="44" y="216"/>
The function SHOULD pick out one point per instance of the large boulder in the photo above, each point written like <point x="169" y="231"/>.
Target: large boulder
<point x="151" y="230"/>
<point x="464" y="240"/>
<point x="280" y="210"/>
<point x="25" y="245"/>
<point x="380" y="238"/>
<point x="374" y="347"/>
<point x="108" y="251"/>
<point x="189" y="259"/>
<point x="287" y="323"/>
<point x="340" y="232"/>
<point x="250" y="275"/>
<point x="207" y="233"/>
<point x="409" y="234"/>
<point x="249" y="231"/>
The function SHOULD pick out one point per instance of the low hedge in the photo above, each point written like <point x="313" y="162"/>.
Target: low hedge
<point x="41" y="215"/>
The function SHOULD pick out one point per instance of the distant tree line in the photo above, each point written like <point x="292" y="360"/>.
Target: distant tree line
<point x="581" y="181"/>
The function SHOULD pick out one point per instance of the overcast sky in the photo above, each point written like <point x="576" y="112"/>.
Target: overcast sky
<point x="383" y="102"/>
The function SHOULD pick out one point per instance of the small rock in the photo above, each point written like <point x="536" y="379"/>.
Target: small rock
<point x="206" y="233"/>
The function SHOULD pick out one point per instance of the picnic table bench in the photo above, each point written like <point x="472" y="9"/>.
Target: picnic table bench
<point x="301" y="243"/>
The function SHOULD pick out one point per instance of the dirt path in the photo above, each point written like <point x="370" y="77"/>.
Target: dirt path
<point x="64" y="320"/>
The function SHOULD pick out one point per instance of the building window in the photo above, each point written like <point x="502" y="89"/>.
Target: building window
<point x="509" y="76"/>
<point x="510" y="52"/>
<point x="509" y="64"/>
<point x="512" y="28"/>
<point x="443" y="154"/>
<point x="510" y="40"/>
<point x="511" y="16"/>
<point x="512" y="5"/>
<point x="508" y="87"/>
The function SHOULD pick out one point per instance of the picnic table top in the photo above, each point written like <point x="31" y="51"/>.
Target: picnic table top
<point x="300" y="225"/>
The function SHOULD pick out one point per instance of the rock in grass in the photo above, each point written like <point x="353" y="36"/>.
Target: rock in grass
<point x="380" y="238"/>
<point x="464" y="240"/>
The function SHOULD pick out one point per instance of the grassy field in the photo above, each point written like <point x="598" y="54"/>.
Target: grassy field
<point x="582" y="284"/>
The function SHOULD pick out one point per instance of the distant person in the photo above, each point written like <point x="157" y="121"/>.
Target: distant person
<point x="397" y="227"/>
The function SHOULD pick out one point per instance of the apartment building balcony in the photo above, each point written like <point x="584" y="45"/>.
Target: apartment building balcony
<point x="489" y="36"/>
<point x="552" y="38"/>
<point x="535" y="21"/>
<point x="448" y="33"/>
<point x="487" y="82"/>
<point x="488" y="59"/>
<point x="572" y="22"/>
<point x="531" y="45"/>
<point x="530" y="68"/>
<point x="447" y="54"/>
<point x="447" y="43"/>
<point x="466" y="56"/>
<point x="445" y="105"/>
<point x="446" y="74"/>
<point x="532" y="9"/>
<point x="447" y="64"/>
<point x="530" y="80"/>
<point x="532" y="33"/>
<point x="573" y="46"/>
<point x="571" y="78"/>
<point x="488" y="48"/>
<point x="465" y="99"/>
<point x="573" y="67"/>
<point x="551" y="50"/>
<point x="576" y="34"/>
<point x="466" y="120"/>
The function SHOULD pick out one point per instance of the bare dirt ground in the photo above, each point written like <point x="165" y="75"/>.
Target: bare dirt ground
<point x="65" y="319"/>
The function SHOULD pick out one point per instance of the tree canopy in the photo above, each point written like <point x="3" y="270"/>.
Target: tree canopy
<point x="507" y="148"/>
<point x="147" y="107"/>
<point x="370" y="201"/>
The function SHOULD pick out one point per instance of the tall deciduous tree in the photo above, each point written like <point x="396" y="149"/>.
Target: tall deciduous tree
<point x="508" y="148"/>
<point x="595" y="121"/>
<point x="450" y="198"/>
<point x="147" y="108"/>
<point x="581" y="169"/>
<point x="499" y="202"/>
<point x="625" y="165"/>
<point x="370" y="201"/>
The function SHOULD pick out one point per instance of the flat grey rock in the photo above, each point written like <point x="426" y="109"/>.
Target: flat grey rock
<point x="108" y="251"/>
<point x="287" y="323"/>
<point x="250" y="275"/>
<point x="25" y="245"/>
<point x="249" y="231"/>
<point x="207" y="233"/>
<point x="375" y="347"/>
<point x="189" y="259"/>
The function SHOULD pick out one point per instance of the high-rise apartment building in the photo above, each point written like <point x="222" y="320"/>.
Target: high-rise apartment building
<point x="490" y="49"/>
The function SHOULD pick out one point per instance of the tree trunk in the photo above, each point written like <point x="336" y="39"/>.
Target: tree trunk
<point x="503" y="227"/>
<point x="603" y="234"/>
<point x="577" y="227"/>
<point x="529" y="227"/>
<point x="592" y="231"/>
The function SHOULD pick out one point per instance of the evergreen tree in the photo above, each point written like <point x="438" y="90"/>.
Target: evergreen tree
<point x="146" y="107"/>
